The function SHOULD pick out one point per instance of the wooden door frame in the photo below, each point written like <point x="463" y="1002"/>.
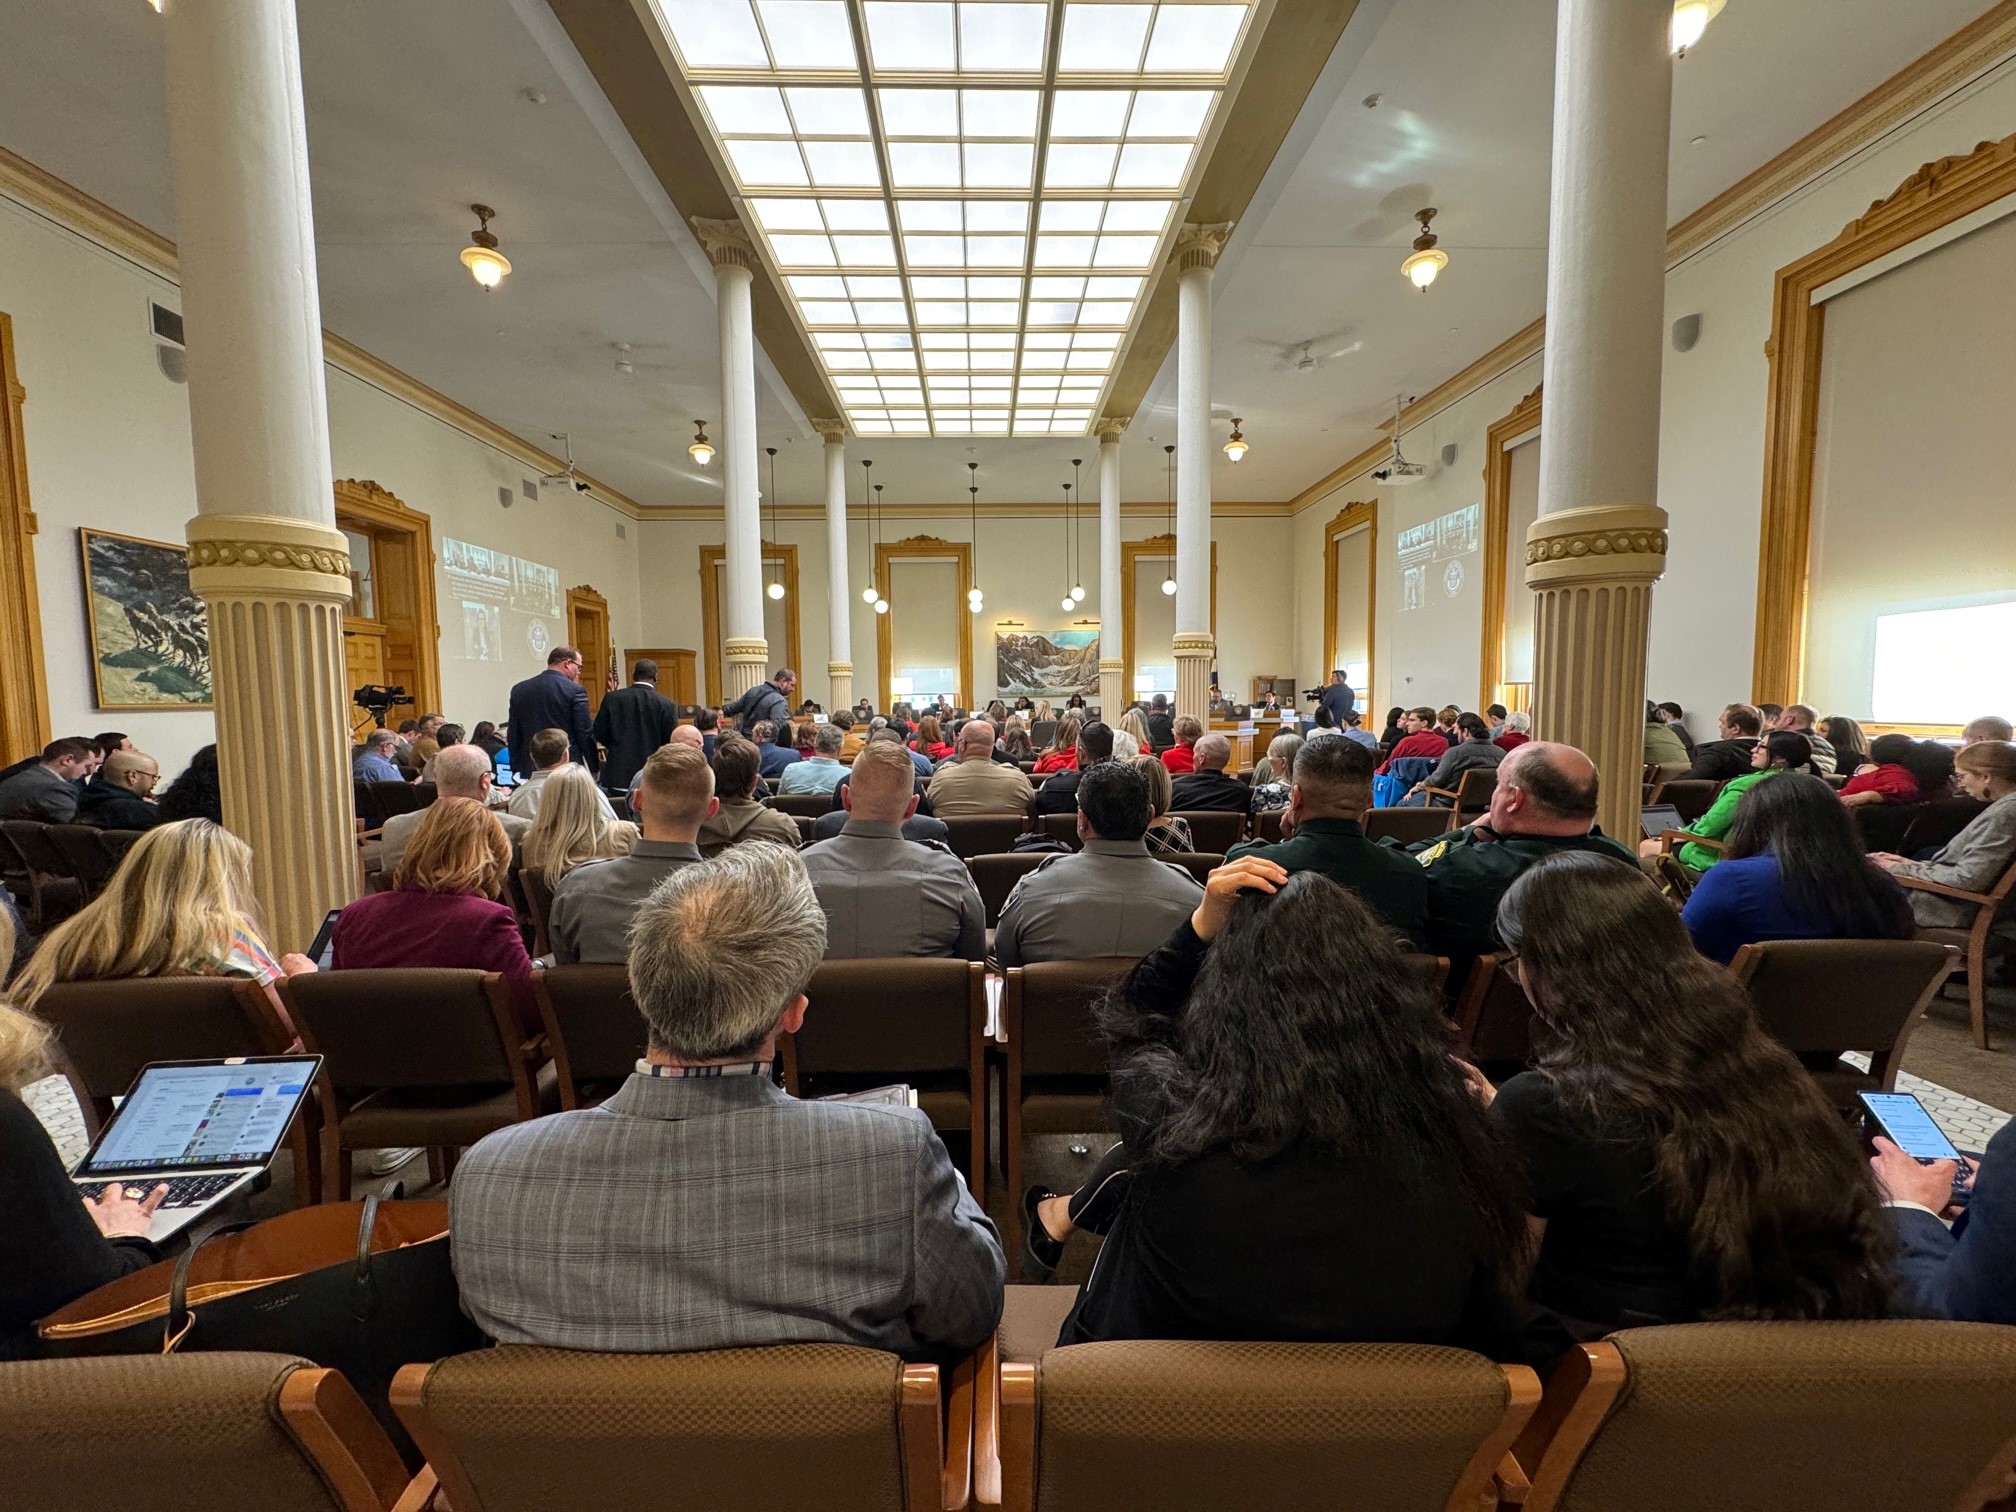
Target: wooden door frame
<point x="1500" y="440"/>
<point x="711" y="558"/>
<point x="1347" y="521"/>
<point x="582" y="596"/>
<point x="24" y="677"/>
<point x="663" y="656"/>
<point x="925" y="549"/>
<point x="1163" y="545"/>
<point x="381" y="514"/>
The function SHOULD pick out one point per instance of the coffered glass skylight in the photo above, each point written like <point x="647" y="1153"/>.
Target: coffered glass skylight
<point x="965" y="200"/>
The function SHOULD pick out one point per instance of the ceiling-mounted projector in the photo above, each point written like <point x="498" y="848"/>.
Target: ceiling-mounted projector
<point x="566" y="477"/>
<point x="1397" y="469"/>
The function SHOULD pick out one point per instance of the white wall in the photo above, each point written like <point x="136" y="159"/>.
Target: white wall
<point x="108" y="447"/>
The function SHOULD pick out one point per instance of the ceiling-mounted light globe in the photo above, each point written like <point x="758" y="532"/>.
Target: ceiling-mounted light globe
<point x="1236" y="447"/>
<point x="869" y="595"/>
<point x="1426" y="260"/>
<point x="775" y="590"/>
<point x="1690" y="20"/>
<point x="881" y="606"/>
<point x="487" y="267"/>
<point x="1077" y="594"/>
<point x="1169" y="586"/>
<point x="973" y="606"/>
<point x="702" y="450"/>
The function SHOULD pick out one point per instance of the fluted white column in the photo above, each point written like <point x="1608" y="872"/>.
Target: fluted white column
<point x="744" y="650"/>
<point x="1197" y="249"/>
<point x="839" y="607"/>
<point x="1112" y="668"/>
<point x="1600" y="540"/>
<point x="264" y="550"/>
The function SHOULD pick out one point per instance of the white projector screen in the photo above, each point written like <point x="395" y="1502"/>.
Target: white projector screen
<point x="1944" y="666"/>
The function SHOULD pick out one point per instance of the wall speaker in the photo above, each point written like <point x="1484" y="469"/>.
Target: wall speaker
<point x="1449" y="455"/>
<point x="1686" y="331"/>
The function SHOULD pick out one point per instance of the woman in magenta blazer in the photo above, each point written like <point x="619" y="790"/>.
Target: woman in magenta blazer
<point x="442" y="909"/>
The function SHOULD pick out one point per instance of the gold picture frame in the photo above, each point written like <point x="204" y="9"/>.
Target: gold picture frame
<point x="150" y="632"/>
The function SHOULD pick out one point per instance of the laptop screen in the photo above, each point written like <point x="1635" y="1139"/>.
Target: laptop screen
<point x="505" y="776"/>
<point x="211" y="1113"/>
<point x="1657" y="818"/>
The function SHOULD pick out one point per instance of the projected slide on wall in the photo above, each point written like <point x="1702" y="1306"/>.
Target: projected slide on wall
<point x="498" y="607"/>
<point x="1944" y="666"/>
<point x="1432" y="555"/>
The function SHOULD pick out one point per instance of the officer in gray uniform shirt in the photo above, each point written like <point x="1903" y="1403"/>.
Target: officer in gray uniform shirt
<point x="595" y="902"/>
<point x="1110" y="899"/>
<point x="885" y="895"/>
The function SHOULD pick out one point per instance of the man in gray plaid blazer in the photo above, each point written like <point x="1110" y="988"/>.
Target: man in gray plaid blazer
<point x="701" y="1207"/>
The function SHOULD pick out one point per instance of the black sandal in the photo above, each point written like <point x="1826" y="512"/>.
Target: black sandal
<point x="1041" y="1254"/>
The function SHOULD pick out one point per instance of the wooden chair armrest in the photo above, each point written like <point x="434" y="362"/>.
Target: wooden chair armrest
<point x="921" y="1427"/>
<point x="1435" y="792"/>
<point x="1510" y="1482"/>
<point x="419" y="1493"/>
<point x="1672" y="839"/>
<point x="987" y="1423"/>
<point x="1925" y="884"/>
<point x="1018" y="1437"/>
<point x="961" y="1404"/>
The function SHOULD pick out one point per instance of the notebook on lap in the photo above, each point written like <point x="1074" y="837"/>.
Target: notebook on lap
<point x="209" y="1129"/>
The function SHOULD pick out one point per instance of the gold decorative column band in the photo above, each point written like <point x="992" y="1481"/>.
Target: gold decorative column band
<point x="747" y="658"/>
<point x="276" y="590"/>
<point x="840" y="685"/>
<point x="1194" y="653"/>
<point x="1592" y="572"/>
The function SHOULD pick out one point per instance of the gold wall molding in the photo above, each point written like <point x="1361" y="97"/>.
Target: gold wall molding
<point x="1044" y="509"/>
<point x="711" y="558"/>
<point x="1524" y="416"/>
<point x="923" y="548"/>
<point x="1347" y="520"/>
<point x="278" y="554"/>
<point x="1153" y="547"/>
<point x="24" y="678"/>
<point x="1935" y="195"/>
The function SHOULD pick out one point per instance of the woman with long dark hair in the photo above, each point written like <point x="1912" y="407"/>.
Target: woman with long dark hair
<point x="197" y="793"/>
<point x="1851" y="744"/>
<point x="1794" y="870"/>
<point x="1392" y="735"/>
<point x="1306" y="1160"/>
<point x="1882" y="775"/>
<point x="1682" y="1165"/>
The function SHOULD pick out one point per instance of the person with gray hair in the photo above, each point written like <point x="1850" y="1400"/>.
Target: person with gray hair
<point x="1207" y="785"/>
<point x="460" y="771"/>
<point x="821" y="771"/>
<point x="702" y="1207"/>
<point x="373" y="761"/>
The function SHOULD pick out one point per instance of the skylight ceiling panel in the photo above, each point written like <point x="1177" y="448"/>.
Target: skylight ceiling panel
<point x="767" y="164"/>
<point x="1002" y="36"/>
<point x="746" y="109"/>
<point x="1104" y="38"/>
<point x="714" y="33"/>
<point x="807" y="34"/>
<point x="912" y="36"/>
<point x="828" y="112"/>
<point x="1193" y="39"/>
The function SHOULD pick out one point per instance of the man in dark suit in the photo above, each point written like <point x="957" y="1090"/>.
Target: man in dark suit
<point x="1337" y="701"/>
<point x="1161" y="725"/>
<point x="632" y="723"/>
<point x="1720" y="760"/>
<point x="1206" y="785"/>
<point x="1968" y="1273"/>
<point x="553" y="700"/>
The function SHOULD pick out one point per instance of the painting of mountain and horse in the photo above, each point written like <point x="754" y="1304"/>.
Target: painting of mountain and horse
<point x="150" y="633"/>
<point x="1046" y="664"/>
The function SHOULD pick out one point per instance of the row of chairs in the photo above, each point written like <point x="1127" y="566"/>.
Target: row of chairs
<point x="58" y="868"/>
<point x="1890" y="1416"/>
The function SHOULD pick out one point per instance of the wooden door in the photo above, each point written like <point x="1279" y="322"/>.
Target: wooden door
<point x="588" y="632"/>
<point x="363" y="664"/>
<point x="678" y="670"/>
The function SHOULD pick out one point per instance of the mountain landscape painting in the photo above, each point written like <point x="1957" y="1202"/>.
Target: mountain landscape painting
<point x="1046" y="664"/>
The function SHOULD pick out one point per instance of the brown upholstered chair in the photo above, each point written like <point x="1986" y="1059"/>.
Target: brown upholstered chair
<point x="1213" y="830"/>
<point x="996" y="877"/>
<point x="1407" y="825"/>
<point x="1432" y="969"/>
<point x="1062" y="827"/>
<point x="415" y="1056"/>
<point x="1200" y="864"/>
<point x="389" y="798"/>
<point x="1494" y="1021"/>
<point x="536" y="894"/>
<point x="1055" y="1080"/>
<point x="805" y="828"/>
<point x="1185" y="1426"/>
<point x="1973" y="939"/>
<point x="1692" y="796"/>
<point x="194" y="1433"/>
<point x="53" y="891"/>
<point x="85" y="856"/>
<point x="881" y="1020"/>
<point x="1471" y="797"/>
<point x="1819" y="998"/>
<point x="1266" y="826"/>
<point x="801" y="805"/>
<point x="593" y="1029"/>
<point x="517" y="1429"/>
<point x="1888" y="1416"/>
<point x="972" y="835"/>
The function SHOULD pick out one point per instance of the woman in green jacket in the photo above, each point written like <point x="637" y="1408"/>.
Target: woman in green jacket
<point x="1780" y="751"/>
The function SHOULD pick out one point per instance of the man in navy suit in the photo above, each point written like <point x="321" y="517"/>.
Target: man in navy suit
<point x="1968" y="1274"/>
<point x="553" y="700"/>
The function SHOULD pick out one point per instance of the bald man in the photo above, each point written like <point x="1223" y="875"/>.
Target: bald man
<point x="121" y="795"/>
<point x="1545" y="803"/>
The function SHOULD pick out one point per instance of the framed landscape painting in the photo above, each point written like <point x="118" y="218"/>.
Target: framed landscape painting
<point x="150" y="633"/>
<point x="1046" y="663"/>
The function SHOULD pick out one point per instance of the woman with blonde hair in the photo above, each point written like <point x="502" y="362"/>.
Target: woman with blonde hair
<point x="55" y="1246"/>
<point x="572" y="826"/>
<point x="1135" y="724"/>
<point x="1041" y="712"/>
<point x="180" y="904"/>
<point x="1061" y="755"/>
<point x="443" y="908"/>
<point x="1167" y="833"/>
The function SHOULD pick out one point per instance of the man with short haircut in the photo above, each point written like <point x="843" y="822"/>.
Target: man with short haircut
<point x="851" y="737"/>
<point x="774" y="751"/>
<point x="1161" y="726"/>
<point x="553" y="700"/>
<point x="460" y="771"/>
<point x="1208" y="786"/>
<point x="1337" y="701"/>
<point x="821" y="771"/>
<point x="766" y="703"/>
<point x="1182" y="756"/>
<point x="426" y="742"/>
<point x="702" y="1207"/>
<point x="1664" y="748"/>
<point x="1987" y="727"/>
<point x="1494" y="716"/>
<point x="884" y="895"/>
<point x="1421" y="739"/>
<point x="632" y="723"/>
<point x="1354" y="730"/>
<point x="1544" y="804"/>
<point x="975" y="783"/>
<point x="1323" y="831"/>
<point x="740" y="817"/>
<point x="1675" y="719"/>
<point x="1800" y="719"/>
<point x="1769" y="712"/>
<point x="594" y="902"/>
<point x="1059" y="792"/>
<point x="121" y="794"/>
<point x="546" y="753"/>
<point x="1110" y="898"/>
<point x="1720" y="760"/>
<point x="376" y="761"/>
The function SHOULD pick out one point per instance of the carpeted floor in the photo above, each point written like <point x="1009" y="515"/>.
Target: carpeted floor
<point x="1941" y="1049"/>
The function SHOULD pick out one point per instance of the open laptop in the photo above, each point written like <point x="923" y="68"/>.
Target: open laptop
<point x="1657" y="818"/>
<point x="208" y="1129"/>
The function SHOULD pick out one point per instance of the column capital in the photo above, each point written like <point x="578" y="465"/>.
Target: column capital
<point x="1198" y="244"/>
<point x="834" y="432"/>
<point x="1108" y="428"/>
<point x="1613" y="542"/>
<point x="839" y="669"/>
<point x="1193" y="643"/>
<point x="726" y="242"/>
<point x="268" y="555"/>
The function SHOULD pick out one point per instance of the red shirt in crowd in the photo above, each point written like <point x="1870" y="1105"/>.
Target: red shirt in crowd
<point x="1180" y="758"/>
<point x="1427" y="743"/>
<point x="1057" y="761"/>
<point x="1511" y="740"/>
<point x="1891" y="780"/>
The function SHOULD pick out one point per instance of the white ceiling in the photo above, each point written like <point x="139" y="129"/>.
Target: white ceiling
<point x="416" y="110"/>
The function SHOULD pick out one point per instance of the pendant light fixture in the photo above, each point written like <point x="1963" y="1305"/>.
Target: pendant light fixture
<point x="1236" y="447"/>
<point x="776" y="588"/>
<point x="1070" y="603"/>
<point x="1169" y="498"/>
<point x="1077" y="541"/>
<point x="485" y="263"/>
<point x="702" y="450"/>
<point x="869" y="594"/>
<point x="1690" y="20"/>
<point x="881" y="603"/>
<point x="1427" y="259"/>
<point x="975" y="599"/>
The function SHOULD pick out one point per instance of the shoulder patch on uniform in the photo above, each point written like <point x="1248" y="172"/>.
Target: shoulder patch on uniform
<point x="937" y="845"/>
<point x="1435" y="853"/>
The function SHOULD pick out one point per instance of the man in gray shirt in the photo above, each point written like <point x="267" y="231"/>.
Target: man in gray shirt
<point x="702" y="1207"/>
<point x="48" y="790"/>
<point x="594" y="903"/>
<point x="460" y="771"/>
<point x="885" y="895"/>
<point x="1110" y="899"/>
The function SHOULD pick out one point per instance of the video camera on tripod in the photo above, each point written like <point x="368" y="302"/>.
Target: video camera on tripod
<point x="376" y="699"/>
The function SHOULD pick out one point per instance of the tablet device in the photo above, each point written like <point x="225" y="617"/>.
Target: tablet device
<point x="1656" y="818"/>
<point x="324" y="947"/>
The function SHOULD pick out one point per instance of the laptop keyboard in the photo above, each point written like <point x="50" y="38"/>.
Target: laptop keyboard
<point x="183" y="1191"/>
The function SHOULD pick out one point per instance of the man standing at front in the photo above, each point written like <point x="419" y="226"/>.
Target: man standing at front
<point x="1337" y="701"/>
<point x="632" y="723"/>
<point x="702" y="1207"/>
<point x="553" y="700"/>
<point x="766" y="703"/>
